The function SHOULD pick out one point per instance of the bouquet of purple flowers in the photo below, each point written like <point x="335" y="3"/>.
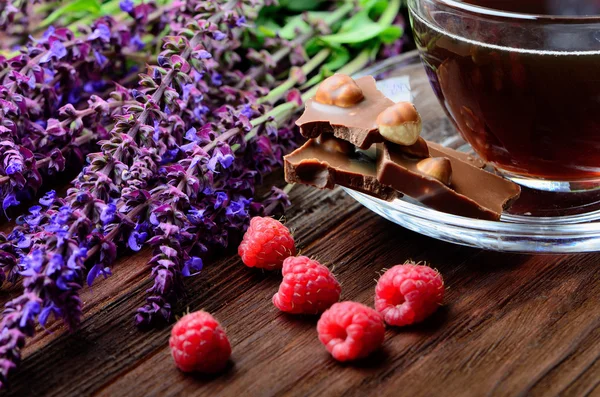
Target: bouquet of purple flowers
<point x="171" y="146"/>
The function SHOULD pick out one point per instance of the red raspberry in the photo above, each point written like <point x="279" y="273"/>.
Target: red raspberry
<point x="350" y="330"/>
<point x="198" y="343"/>
<point x="307" y="287"/>
<point x="266" y="244"/>
<point x="409" y="293"/>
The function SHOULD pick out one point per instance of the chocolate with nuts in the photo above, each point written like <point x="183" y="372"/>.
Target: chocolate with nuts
<point x="329" y="162"/>
<point x="438" y="168"/>
<point x="418" y="149"/>
<point x="470" y="192"/>
<point x="356" y="123"/>
<point x="439" y="177"/>
<point x="339" y="90"/>
<point x="400" y="123"/>
<point x="451" y="153"/>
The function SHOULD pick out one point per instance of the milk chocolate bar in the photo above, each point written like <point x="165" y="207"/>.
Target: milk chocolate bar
<point x="471" y="192"/>
<point x="355" y="124"/>
<point x="451" y="153"/>
<point x="439" y="177"/>
<point x="329" y="161"/>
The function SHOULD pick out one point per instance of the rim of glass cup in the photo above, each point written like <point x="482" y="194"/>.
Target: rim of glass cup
<point x="508" y="15"/>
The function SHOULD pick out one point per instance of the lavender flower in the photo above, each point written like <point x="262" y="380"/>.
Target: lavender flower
<point x="39" y="92"/>
<point x="177" y="170"/>
<point x="52" y="272"/>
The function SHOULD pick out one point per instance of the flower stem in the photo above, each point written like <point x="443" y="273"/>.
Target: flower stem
<point x="308" y="67"/>
<point x="282" y="112"/>
<point x="361" y="60"/>
<point x="330" y="19"/>
<point x="388" y="16"/>
<point x="288" y="188"/>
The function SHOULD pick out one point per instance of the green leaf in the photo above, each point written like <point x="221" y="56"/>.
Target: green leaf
<point x="374" y="7"/>
<point x="338" y="58"/>
<point x="378" y="8"/>
<point x="300" y="5"/>
<point x="313" y="46"/>
<point x="361" y="29"/>
<point x="390" y="34"/>
<point x="267" y="31"/>
<point x="357" y="20"/>
<point x="293" y="25"/>
<point x="88" y="6"/>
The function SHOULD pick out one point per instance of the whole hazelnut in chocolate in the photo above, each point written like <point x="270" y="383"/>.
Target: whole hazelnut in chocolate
<point x="333" y="144"/>
<point x="400" y="123"/>
<point x="417" y="149"/>
<point x="339" y="90"/>
<point x="439" y="168"/>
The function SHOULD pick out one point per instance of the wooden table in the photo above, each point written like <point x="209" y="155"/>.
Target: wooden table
<point x="511" y="324"/>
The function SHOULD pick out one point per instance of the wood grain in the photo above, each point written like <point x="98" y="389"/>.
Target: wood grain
<point x="512" y="324"/>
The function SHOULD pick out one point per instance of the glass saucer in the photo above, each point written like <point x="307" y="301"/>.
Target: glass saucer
<point x="539" y="222"/>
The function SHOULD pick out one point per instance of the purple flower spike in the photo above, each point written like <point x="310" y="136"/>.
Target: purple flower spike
<point x="217" y="35"/>
<point x="126" y="6"/>
<point x="136" y="239"/>
<point x="203" y="54"/>
<point x="108" y="214"/>
<point x="49" y="32"/>
<point x="14" y="167"/>
<point x="100" y="59"/>
<point x="57" y="50"/>
<point x="217" y="79"/>
<point x="48" y="199"/>
<point x="101" y="32"/>
<point x="192" y="266"/>
<point x="190" y="108"/>
<point x="137" y="43"/>
<point x="241" y="21"/>
<point x="9" y="201"/>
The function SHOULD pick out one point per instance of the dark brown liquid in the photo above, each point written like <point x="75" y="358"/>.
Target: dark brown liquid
<point x="530" y="113"/>
<point x="543" y="7"/>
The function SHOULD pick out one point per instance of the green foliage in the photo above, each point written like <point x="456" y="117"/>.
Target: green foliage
<point x="366" y="25"/>
<point x="297" y="24"/>
<point x="75" y="12"/>
<point x="92" y="7"/>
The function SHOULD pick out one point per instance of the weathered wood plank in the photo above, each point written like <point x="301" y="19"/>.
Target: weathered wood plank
<point x="512" y="324"/>
<point x="484" y="341"/>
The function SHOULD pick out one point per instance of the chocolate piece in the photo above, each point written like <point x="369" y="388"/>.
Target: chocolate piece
<point x="400" y="123"/>
<point x="316" y="164"/>
<point x="419" y="149"/>
<point x="355" y="124"/>
<point x="473" y="192"/>
<point x="339" y="90"/>
<point x="331" y="144"/>
<point x="436" y="167"/>
<point x="469" y="158"/>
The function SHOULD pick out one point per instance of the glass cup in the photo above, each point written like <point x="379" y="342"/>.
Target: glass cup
<point x="523" y="90"/>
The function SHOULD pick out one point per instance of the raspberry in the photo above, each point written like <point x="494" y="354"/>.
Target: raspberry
<point x="307" y="287"/>
<point x="198" y="343"/>
<point x="266" y="244"/>
<point x="350" y="330"/>
<point x="408" y="294"/>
